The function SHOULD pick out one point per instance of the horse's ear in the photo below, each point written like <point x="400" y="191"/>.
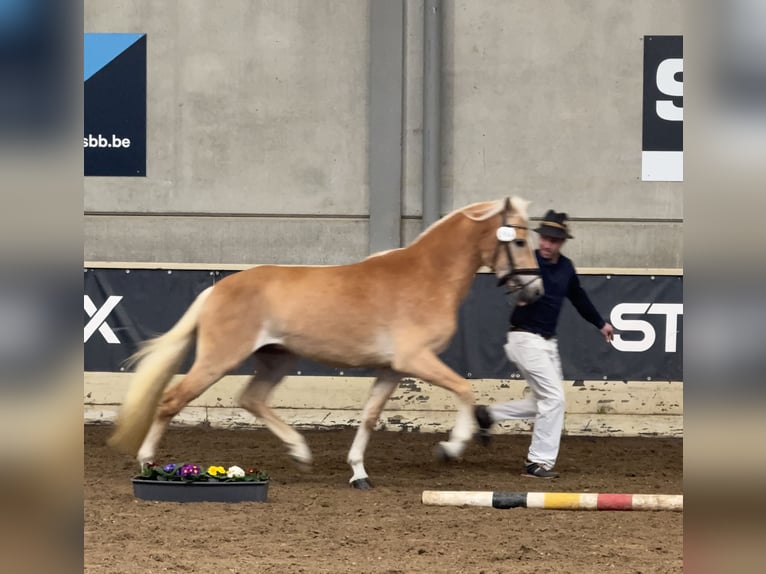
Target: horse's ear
<point x="521" y="205"/>
<point x="508" y="205"/>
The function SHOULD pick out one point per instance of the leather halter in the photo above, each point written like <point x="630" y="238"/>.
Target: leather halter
<point x="506" y="245"/>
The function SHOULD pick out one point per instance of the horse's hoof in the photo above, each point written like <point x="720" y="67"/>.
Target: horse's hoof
<point x="301" y="464"/>
<point x="443" y="455"/>
<point x="361" y="484"/>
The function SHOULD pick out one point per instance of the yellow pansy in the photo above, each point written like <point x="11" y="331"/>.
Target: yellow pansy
<point x="216" y="470"/>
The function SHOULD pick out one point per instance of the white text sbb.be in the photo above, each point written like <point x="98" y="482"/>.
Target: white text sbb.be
<point x="101" y="141"/>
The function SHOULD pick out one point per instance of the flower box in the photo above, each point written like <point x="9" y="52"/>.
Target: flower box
<point x="189" y="483"/>
<point x="197" y="491"/>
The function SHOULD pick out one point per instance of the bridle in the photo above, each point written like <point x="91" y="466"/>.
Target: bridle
<point x="506" y="233"/>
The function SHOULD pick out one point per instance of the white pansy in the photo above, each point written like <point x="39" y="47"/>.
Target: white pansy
<point x="235" y="472"/>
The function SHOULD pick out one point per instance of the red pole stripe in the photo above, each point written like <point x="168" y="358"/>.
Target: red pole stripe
<point x="615" y="502"/>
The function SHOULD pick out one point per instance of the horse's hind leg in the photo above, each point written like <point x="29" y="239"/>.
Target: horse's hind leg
<point x="220" y="349"/>
<point x="224" y="340"/>
<point x="381" y="391"/>
<point x="272" y="365"/>
<point x="200" y="377"/>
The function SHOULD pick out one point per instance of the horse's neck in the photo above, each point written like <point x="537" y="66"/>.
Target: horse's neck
<point x="450" y="251"/>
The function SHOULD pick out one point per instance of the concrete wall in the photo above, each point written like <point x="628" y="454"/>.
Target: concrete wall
<point x="258" y="128"/>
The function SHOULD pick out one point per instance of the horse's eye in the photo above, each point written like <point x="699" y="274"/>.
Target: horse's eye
<point x="520" y="242"/>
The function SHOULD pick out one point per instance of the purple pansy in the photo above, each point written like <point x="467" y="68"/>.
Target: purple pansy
<point x="169" y="467"/>
<point x="190" y="470"/>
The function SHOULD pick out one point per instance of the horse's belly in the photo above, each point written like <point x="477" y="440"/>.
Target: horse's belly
<point x="341" y="351"/>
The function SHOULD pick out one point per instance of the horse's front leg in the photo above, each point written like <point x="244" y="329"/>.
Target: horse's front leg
<point x="427" y="366"/>
<point x="381" y="391"/>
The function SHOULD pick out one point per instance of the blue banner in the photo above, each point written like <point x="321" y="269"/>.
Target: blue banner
<point x="115" y="104"/>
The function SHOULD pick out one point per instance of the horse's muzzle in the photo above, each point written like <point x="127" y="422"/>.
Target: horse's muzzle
<point x="518" y="277"/>
<point x="530" y="288"/>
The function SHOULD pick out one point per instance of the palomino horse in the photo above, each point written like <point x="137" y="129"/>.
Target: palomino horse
<point x="394" y="310"/>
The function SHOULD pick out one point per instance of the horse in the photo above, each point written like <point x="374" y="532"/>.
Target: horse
<point x="394" y="311"/>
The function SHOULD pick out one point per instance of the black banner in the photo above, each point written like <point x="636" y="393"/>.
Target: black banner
<point x="663" y="93"/>
<point x="125" y="307"/>
<point x="663" y="109"/>
<point x="115" y="104"/>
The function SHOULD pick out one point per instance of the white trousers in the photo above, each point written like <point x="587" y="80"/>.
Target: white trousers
<point x="539" y="363"/>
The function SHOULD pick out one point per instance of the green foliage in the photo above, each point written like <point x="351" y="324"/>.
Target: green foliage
<point x="186" y="472"/>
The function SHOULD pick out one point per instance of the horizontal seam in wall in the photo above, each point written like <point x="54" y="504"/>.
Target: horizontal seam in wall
<point x="672" y="271"/>
<point x="180" y="214"/>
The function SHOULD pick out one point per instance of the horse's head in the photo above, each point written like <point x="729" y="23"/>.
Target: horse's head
<point x="509" y="253"/>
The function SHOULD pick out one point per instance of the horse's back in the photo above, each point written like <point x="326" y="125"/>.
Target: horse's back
<point x="385" y="272"/>
<point x="350" y="314"/>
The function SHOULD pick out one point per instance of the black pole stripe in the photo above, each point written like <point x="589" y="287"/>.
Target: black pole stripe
<point x="509" y="500"/>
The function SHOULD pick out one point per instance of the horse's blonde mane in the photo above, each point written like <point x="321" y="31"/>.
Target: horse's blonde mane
<point x="481" y="211"/>
<point x="486" y="209"/>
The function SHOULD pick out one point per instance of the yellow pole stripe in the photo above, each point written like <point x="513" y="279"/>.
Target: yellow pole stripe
<point x="562" y="500"/>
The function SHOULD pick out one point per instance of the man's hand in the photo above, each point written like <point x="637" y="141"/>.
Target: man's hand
<point x="608" y="332"/>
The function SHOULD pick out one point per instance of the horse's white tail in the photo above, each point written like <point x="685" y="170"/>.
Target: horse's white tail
<point x="158" y="359"/>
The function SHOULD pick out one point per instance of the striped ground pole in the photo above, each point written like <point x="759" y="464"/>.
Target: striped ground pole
<point x="554" y="500"/>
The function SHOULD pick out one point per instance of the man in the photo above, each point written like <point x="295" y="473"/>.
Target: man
<point x="533" y="348"/>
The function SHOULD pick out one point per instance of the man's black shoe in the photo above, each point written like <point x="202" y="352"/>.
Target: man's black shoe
<point x="538" y="471"/>
<point x="484" y="420"/>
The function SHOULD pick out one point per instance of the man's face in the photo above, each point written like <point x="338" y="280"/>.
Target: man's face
<point x="549" y="246"/>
